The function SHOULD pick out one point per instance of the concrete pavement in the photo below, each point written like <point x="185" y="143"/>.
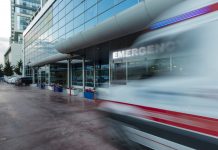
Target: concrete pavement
<point x="34" y="119"/>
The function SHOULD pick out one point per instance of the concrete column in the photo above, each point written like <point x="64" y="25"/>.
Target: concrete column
<point x="126" y="71"/>
<point x="94" y="75"/>
<point x="41" y="1"/>
<point x="37" y="72"/>
<point x="171" y="63"/>
<point x="23" y="71"/>
<point x="49" y="74"/>
<point x="69" y="74"/>
<point x="83" y="72"/>
<point x="39" y="75"/>
<point x="33" y="76"/>
<point x="110" y="73"/>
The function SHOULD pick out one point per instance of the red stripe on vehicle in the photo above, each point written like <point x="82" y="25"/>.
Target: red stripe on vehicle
<point x="192" y="122"/>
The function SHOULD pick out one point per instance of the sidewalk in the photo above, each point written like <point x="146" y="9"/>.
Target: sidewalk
<point x="37" y="119"/>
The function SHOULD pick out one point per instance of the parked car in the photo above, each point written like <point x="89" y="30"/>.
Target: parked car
<point x="7" y="79"/>
<point x="13" y="80"/>
<point x="23" y="81"/>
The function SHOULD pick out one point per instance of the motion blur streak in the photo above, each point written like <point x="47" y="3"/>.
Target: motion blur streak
<point x="186" y="16"/>
<point x="165" y="94"/>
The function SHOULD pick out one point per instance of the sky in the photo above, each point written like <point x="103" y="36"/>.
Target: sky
<point x="5" y="28"/>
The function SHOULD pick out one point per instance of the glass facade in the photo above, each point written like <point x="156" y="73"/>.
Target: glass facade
<point x="66" y="18"/>
<point x="22" y="22"/>
<point x="29" y="4"/>
<point x="58" y="74"/>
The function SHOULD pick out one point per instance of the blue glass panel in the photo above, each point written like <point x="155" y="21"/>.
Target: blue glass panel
<point x="105" y="15"/>
<point x="104" y="5"/>
<point x="61" y="14"/>
<point x="124" y="5"/>
<point x="69" y="7"/>
<point x="91" y="13"/>
<point x="90" y="3"/>
<point x="70" y="33"/>
<point x="55" y="19"/>
<point x="91" y="23"/>
<point x="61" y="22"/>
<point x="55" y="27"/>
<point x="55" y="4"/>
<point x="77" y="2"/>
<point x="55" y="11"/>
<point x="62" y="37"/>
<point x="117" y="1"/>
<point x="79" y="21"/>
<point x="69" y="17"/>
<point x="69" y="26"/>
<point x="67" y="1"/>
<point x="78" y="10"/>
<point x="79" y="29"/>
<point x="61" y="5"/>
<point x="55" y="35"/>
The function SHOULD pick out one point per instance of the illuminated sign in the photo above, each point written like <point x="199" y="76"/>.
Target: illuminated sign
<point x="145" y="50"/>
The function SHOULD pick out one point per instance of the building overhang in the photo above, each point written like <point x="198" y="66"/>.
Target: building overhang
<point x="51" y="59"/>
<point x="129" y="21"/>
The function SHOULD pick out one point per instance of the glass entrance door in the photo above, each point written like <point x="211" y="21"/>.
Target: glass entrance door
<point x="119" y="72"/>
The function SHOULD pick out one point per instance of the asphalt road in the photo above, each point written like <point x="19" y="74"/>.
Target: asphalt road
<point x="34" y="119"/>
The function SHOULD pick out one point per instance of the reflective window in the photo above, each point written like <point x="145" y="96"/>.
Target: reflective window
<point x="89" y="73"/>
<point x="105" y="15"/>
<point x="77" y="2"/>
<point x="61" y="5"/>
<point x="69" y="17"/>
<point x="118" y="1"/>
<point x="69" y="26"/>
<point x="124" y="5"/>
<point x="91" y="13"/>
<point x="67" y="1"/>
<point x="79" y="20"/>
<point x="62" y="14"/>
<point x="104" y="5"/>
<point x="69" y="7"/>
<point x="79" y="9"/>
<point x="90" y="3"/>
<point x="91" y="23"/>
<point x="61" y="23"/>
<point x="55" y="11"/>
<point x="77" y="74"/>
<point x="79" y="29"/>
<point x="55" y="27"/>
<point x="69" y="34"/>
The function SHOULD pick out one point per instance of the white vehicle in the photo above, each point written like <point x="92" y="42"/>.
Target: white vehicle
<point x="13" y="80"/>
<point x="174" y="102"/>
<point x="7" y="78"/>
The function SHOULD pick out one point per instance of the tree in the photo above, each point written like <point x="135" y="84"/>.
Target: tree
<point x="1" y="70"/>
<point x="18" y="68"/>
<point x="8" y="69"/>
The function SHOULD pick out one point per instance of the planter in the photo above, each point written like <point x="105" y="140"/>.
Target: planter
<point x="58" y="89"/>
<point x="42" y="86"/>
<point x="33" y="85"/>
<point x="89" y="95"/>
<point x="74" y="92"/>
<point x="51" y="88"/>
